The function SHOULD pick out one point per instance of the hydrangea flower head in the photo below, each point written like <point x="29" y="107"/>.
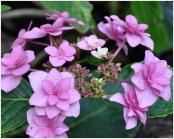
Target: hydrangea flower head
<point x="42" y="127"/>
<point x="90" y="43"/>
<point x="135" y="33"/>
<point x="152" y="79"/>
<point x="132" y="110"/>
<point x="54" y="93"/>
<point x="14" y="65"/>
<point x="58" y="56"/>
<point x="100" y="53"/>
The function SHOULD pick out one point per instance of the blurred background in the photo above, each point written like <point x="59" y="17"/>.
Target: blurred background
<point x="158" y="15"/>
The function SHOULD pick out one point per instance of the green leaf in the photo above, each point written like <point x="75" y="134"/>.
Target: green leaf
<point x="151" y="13"/>
<point x="92" y="60"/>
<point x="77" y="9"/>
<point x="14" y="106"/>
<point x="5" y="8"/>
<point x="160" y="109"/>
<point x="99" y="119"/>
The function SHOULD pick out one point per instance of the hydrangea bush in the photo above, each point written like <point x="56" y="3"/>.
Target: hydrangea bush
<point x="63" y="82"/>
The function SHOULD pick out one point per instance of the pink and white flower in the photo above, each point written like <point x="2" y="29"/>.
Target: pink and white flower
<point x="43" y="127"/>
<point x="54" y="94"/>
<point x="14" y="65"/>
<point x="152" y="79"/>
<point x="58" y="56"/>
<point x="132" y="111"/>
<point x="90" y="43"/>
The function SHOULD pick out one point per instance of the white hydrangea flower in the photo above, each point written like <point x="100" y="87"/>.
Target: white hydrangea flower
<point x="100" y="53"/>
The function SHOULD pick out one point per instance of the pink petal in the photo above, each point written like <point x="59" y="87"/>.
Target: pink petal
<point x="35" y="33"/>
<point x="63" y="85"/>
<point x="48" y="86"/>
<point x="67" y="74"/>
<point x="83" y="45"/>
<point x="5" y="70"/>
<point x="40" y="111"/>
<point x="157" y="87"/>
<point x="38" y="99"/>
<point x="148" y="42"/>
<point x="62" y="129"/>
<point x="52" y="99"/>
<point x="139" y="81"/>
<point x="131" y="112"/>
<point x="30" y="55"/>
<point x="74" y="110"/>
<point x="57" y="33"/>
<point x="166" y="93"/>
<point x="168" y="73"/>
<point x="119" y="98"/>
<point x="30" y="114"/>
<point x="142" y="27"/>
<point x="10" y="82"/>
<point x="56" y="62"/>
<point x="21" y="70"/>
<point x="52" y="111"/>
<point x="131" y="122"/>
<point x="149" y="57"/>
<point x="127" y="87"/>
<point x="161" y="80"/>
<point x="131" y="20"/>
<point x="67" y="49"/>
<point x="51" y="50"/>
<point x="74" y="96"/>
<point x="146" y="98"/>
<point x="159" y="67"/>
<point x="142" y="116"/>
<point x="133" y="40"/>
<point x="54" y="76"/>
<point x="36" y="83"/>
<point x="63" y="105"/>
<point x="137" y="67"/>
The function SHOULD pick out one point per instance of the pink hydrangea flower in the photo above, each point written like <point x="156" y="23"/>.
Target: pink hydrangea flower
<point x="132" y="111"/>
<point x="114" y="30"/>
<point x="54" y="29"/>
<point x="135" y="33"/>
<point x="90" y="43"/>
<point x="14" y="65"/>
<point x="58" y="56"/>
<point x="20" y="41"/>
<point x="65" y="16"/>
<point x="42" y="127"/>
<point x="152" y="79"/>
<point x="54" y="93"/>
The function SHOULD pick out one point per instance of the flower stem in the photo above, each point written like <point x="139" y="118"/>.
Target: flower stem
<point x="115" y="54"/>
<point x="51" y="40"/>
<point x="29" y="27"/>
<point x="38" y="43"/>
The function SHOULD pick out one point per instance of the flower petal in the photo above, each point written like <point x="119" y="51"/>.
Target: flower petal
<point x="10" y="82"/>
<point x="36" y="78"/>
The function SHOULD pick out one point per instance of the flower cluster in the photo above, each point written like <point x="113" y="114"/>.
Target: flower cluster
<point x="126" y="31"/>
<point x="151" y="80"/>
<point x="109" y="71"/>
<point x="58" y="90"/>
